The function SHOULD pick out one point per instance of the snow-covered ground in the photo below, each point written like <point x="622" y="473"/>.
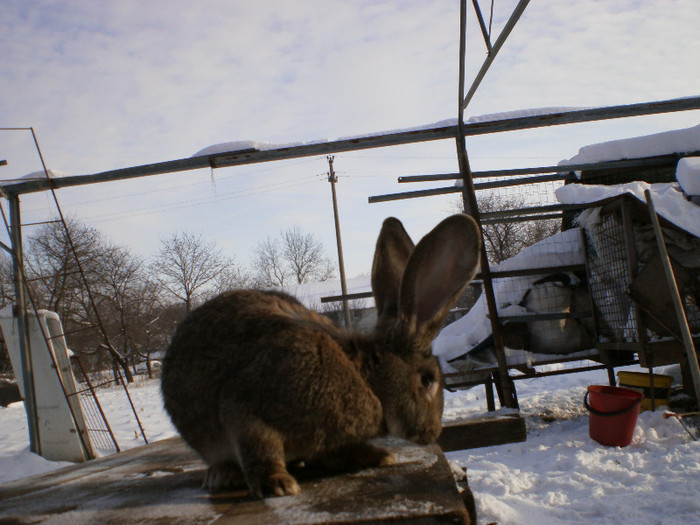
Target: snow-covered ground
<point x="558" y="476"/>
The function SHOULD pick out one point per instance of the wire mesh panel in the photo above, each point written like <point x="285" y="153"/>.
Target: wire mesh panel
<point x="98" y="429"/>
<point x="609" y="277"/>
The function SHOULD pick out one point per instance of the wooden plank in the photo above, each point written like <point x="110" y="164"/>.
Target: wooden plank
<point x="160" y="483"/>
<point x="484" y="431"/>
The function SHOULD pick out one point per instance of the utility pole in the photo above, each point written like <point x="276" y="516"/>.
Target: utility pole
<point x="341" y="264"/>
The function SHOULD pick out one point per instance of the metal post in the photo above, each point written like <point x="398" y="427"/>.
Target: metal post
<point x="341" y="263"/>
<point x="676" y="297"/>
<point x="510" y="399"/>
<point x="23" y="327"/>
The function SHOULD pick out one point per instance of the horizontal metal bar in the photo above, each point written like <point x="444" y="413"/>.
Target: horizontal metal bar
<point x="457" y="189"/>
<point x="642" y="162"/>
<point x="538" y="217"/>
<point x="414" y="194"/>
<point x="562" y="371"/>
<point x="237" y="158"/>
<point x="544" y="316"/>
<point x="582" y="115"/>
<point x="432" y="178"/>
<point x="349" y="297"/>
<point x="517" y="182"/>
<point x="531" y="210"/>
<point x="496" y="274"/>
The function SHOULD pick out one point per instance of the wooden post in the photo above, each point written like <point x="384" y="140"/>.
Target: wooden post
<point x="676" y="297"/>
<point x="341" y="262"/>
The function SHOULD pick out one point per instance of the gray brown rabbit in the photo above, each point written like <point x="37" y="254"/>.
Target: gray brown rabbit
<point x="253" y="380"/>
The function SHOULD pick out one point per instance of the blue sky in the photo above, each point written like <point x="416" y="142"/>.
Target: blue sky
<point x="115" y="84"/>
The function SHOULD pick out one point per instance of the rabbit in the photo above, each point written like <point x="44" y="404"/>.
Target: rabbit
<point x="253" y="380"/>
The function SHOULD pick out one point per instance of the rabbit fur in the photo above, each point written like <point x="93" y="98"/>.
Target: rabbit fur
<point x="253" y="380"/>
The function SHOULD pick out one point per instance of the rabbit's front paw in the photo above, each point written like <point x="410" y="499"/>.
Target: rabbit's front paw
<point x="277" y="483"/>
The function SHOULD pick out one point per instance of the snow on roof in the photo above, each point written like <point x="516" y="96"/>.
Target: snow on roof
<point x="669" y="201"/>
<point x="520" y="113"/>
<point x="243" y="145"/>
<point x="688" y="175"/>
<point x="35" y="175"/>
<point x="674" y="141"/>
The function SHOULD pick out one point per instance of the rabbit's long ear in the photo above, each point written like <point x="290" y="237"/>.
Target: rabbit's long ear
<point x="440" y="268"/>
<point x="394" y="248"/>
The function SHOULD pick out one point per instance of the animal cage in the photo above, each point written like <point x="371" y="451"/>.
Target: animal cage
<point x="633" y="310"/>
<point x="599" y="294"/>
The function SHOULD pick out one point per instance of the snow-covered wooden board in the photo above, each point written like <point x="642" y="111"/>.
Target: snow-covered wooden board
<point x="160" y="483"/>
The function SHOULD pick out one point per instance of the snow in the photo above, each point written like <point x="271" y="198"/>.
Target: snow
<point x="310" y="294"/>
<point x="561" y="476"/>
<point x="242" y="145"/>
<point x="669" y="201"/>
<point x="36" y="175"/>
<point x="688" y="175"/>
<point x="674" y="141"/>
<point x="530" y="112"/>
<point x="558" y="476"/>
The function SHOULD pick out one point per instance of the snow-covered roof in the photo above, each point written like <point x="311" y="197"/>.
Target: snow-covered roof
<point x="688" y="175"/>
<point x="674" y="141"/>
<point x="669" y="200"/>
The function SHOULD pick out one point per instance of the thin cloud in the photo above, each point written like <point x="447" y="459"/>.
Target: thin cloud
<point x="115" y="84"/>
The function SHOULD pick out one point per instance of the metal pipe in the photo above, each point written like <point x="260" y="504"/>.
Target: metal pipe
<point x="642" y="162"/>
<point x="484" y="30"/>
<point x="470" y="205"/>
<point x="505" y="32"/>
<point x="239" y="158"/>
<point x="23" y="326"/>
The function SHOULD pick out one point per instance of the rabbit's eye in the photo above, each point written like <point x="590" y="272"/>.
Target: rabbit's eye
<point x="427" y="379"/>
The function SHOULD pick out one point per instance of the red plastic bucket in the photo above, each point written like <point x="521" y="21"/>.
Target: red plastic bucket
<point x="613" y="413"/>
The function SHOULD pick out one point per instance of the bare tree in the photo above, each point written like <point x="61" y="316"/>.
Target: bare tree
<point x="7" y="289"/>
<point x="504" y="240"/>
<point x="269" y="265"/>
<point x="52" y="266"/>
<point x="296" y="257"/>
<point x="186" y="265"/>
<point x="7" y="294"/>
<point x="66" y="268"/>
<point x="232" y="277"/>
<point x="304" y="255"/>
